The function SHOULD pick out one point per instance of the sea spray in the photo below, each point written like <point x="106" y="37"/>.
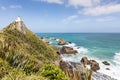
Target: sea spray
<point x="84" y="51"/>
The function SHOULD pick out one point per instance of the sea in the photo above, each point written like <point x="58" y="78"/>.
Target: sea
<point x="97" y="46"/>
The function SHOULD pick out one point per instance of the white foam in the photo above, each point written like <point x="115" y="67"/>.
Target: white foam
<point x="114" y="69"/>
<point x="113" y="72"/>
<point x="117" y="58"/>
<point x="57" y="39"/>
<point x="81" y="49"/>
<point x="70" y="45"/>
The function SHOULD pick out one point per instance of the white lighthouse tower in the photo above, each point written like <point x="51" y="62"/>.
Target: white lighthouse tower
<point x="18" y="19"/>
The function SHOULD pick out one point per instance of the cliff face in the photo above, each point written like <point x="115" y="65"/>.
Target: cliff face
<point x="22" y="49"/>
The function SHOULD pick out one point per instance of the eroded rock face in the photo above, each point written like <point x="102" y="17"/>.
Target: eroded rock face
<point x="67" y="50"/>
<point x="61" y="41"/>
<point x="71" y="72"/>
<point x="94" y="65"/>
<point x="84" y="60"/>
<point x="106" y="63"/>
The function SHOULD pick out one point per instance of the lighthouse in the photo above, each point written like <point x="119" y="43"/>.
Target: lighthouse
<point x="18" y="19"/>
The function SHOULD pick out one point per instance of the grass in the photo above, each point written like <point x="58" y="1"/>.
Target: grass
<point x="25" y="53"/>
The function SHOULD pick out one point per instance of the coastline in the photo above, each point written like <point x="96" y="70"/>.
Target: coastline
<point x="95" y="75"/>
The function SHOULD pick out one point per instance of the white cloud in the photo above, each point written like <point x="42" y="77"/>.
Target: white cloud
<point x="105" y="19"/>
<point x="15" y="6"/>
<point x="83" y="3"/>
<point x="101" y="10"/>
<point x="89" y="7"/>
<point x="70" y="18"/>
<point x="52" y="1"/>
<point x="3" y="8"/>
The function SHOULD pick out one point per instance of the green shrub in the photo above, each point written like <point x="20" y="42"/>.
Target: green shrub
<point x="52" y="72"/>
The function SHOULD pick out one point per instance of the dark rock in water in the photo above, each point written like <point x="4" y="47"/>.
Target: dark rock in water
<point x="94" y="65"/>
<point x="61" y="41"/>
<point x="70" y="42"/>
<point x="53" y="38"/>
<point x="67" y="50"/>
<point x="84" y="60"/>
<point x="107" y="68"/>
<point x="106" y="63"/>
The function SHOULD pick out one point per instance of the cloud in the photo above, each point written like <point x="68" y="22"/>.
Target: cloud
<point x="105" y="19"/>
<point x="70" y="18"/>
<point x="90" y="7"/>
<point x="3" y="8"/>
<point x="52" y="1"/>
<point x="83" y="3"/>
<point x="102" y="10"/>
<point x="15" y="6"/>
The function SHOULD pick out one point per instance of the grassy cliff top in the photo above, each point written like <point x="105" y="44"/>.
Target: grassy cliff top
<point x="20" y="48"/>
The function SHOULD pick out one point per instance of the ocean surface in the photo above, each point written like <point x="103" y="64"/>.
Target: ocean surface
<point x="98" y="46"/>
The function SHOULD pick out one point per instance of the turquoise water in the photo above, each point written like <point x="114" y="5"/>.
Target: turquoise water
<point x="98" y="46"/>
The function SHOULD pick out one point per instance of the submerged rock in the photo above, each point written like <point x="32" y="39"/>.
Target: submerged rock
<point x="53" y="38"/>
<point x="107" y="68"/>
<point x="67" y="50"/>
<point x="61" y="41"/>
<point x="106" y="63"/>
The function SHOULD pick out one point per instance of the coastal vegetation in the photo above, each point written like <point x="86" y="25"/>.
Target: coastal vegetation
<point x="23" y="55"/>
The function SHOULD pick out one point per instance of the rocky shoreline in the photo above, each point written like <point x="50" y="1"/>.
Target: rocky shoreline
<point x="71" y="68"/>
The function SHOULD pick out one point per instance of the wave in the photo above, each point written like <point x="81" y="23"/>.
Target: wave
<point x="117" y="58"/>
<point x="113" y="72"/>
<point x="82" y="51"/>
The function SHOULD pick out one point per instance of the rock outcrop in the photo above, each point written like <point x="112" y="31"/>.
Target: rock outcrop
<point x="19" y="25"/>
<point x="61" y="41"/>
<point x="67" y="50"/>
<point x="84" y="61"/>
<point x="74" y="70"/>
<point x="106" y="63"/>
<point x="94" y="65"/>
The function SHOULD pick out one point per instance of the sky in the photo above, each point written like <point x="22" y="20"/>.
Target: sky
<point x="65" y="16"/>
